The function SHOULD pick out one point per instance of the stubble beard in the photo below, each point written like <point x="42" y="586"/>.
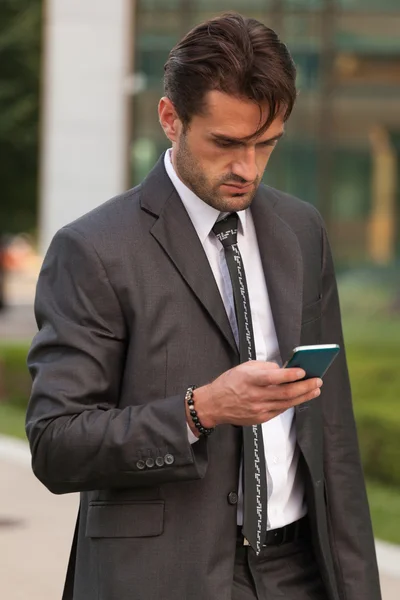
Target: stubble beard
<point x="190" y="173"/>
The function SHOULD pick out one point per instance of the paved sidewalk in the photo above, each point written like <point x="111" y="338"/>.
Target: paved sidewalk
<point x="36" y="530"/>
<point x="17" y="323"/>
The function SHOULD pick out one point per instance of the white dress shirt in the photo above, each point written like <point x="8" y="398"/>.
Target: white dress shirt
<point x="286" y="503"/>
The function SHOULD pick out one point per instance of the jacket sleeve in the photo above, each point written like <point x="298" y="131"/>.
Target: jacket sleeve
<point x="349" y="520"/>
<point x="80" y="439"/>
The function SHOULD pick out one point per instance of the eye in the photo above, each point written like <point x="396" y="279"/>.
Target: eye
<point x="268" y="144"/>
<point x="225" y="144"/>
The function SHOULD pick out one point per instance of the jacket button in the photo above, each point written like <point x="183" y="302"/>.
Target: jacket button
<point x="169" y="459"/>
<point x="232" y="498"/>
<point x="149" y="463"/>
<point x="159" y="461"/>
<point x="140" y="464"/>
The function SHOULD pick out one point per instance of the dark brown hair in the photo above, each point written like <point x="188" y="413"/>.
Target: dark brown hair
<point x="232" y="54"/>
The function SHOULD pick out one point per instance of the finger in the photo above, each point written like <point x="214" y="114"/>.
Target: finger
<point x="264" y="377"/>
<point x="282" y="405"/>
<point x="293" y="390"/>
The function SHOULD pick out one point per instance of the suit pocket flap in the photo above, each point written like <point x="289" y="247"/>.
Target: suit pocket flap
<point x="124" y="520"/>
<point x="311" y="312"/>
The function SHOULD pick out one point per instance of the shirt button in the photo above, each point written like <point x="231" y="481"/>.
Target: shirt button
<point x="232" y="498"/>
<point x="275" y="460"/>
<point x="159" y="461"/>
<point x="140" y="464"/>
<point x="150" y="463"/>
<point x="169" y="459"/>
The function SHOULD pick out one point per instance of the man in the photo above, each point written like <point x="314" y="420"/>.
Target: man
<point x="241" y="487"/>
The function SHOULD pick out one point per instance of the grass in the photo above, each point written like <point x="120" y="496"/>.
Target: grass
<point x="373" y="351"/>
<point x="15" y="381"/>
<point x="384" y="503"/>
<point x="12" y="421"/>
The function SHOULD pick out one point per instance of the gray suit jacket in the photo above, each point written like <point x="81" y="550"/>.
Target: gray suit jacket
<point x="129" y="316"/>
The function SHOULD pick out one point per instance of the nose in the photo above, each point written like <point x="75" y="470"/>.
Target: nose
<point x="245" y="165"/>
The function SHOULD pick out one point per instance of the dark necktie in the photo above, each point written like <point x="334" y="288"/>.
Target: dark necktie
<point x="254" y="480"/>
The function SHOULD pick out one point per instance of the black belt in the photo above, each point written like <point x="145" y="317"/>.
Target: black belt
<point x="276" y="537"/>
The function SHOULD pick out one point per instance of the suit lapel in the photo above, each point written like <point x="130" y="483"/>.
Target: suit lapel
<point x="176" y="234"/>
<point x="283" y="269"/>
<point x="279" y="249"/>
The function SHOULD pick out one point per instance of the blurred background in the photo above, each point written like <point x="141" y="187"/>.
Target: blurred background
<point x="79" y="87"/>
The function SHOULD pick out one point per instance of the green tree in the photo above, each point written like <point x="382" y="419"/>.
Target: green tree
<point x="20" y="49"/>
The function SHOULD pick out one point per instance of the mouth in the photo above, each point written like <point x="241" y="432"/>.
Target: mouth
<point x="238" y="189"/>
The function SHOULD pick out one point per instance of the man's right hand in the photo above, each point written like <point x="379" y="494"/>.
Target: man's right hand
<point x="252" y="393"/>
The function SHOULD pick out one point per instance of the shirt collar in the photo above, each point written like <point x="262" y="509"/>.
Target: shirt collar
<point x="202" y="215"/>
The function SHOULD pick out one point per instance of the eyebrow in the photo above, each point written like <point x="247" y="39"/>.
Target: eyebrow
<point x="225" y="138"/>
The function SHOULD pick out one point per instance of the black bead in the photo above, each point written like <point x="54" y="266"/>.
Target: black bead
<point x="193" y="412"/>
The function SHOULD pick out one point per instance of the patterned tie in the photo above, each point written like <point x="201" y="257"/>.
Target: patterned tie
<point x="255" y="471"/>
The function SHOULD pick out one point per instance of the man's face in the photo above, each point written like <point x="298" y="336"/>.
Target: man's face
<point x="211" y="158"/>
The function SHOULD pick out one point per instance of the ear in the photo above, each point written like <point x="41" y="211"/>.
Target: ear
<point x="169" y="119"/>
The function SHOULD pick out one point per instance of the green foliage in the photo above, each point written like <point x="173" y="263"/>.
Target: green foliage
<point x="384" y="503"/>
<point x="20" y="49"/>
<point x="373" y="352"/>
<point x="15" y="380"/>
<point x="12" y="421"/>
<point x="380" y="449"/>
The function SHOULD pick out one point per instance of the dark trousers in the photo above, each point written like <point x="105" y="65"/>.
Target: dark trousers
<point x="288" y="571"/>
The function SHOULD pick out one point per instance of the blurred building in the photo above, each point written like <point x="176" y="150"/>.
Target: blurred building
<point x="103" y="79"/>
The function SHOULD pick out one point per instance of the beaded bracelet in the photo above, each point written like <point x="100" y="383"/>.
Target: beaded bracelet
<point x="189" y="399"/>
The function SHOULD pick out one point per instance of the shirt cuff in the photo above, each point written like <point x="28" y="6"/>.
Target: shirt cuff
<point x="191" y="437"/>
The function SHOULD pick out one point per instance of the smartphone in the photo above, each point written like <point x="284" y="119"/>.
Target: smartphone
<point x="314" y="360"/>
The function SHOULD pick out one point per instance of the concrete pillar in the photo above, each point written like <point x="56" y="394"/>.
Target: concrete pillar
<point x="88" y="55"/>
